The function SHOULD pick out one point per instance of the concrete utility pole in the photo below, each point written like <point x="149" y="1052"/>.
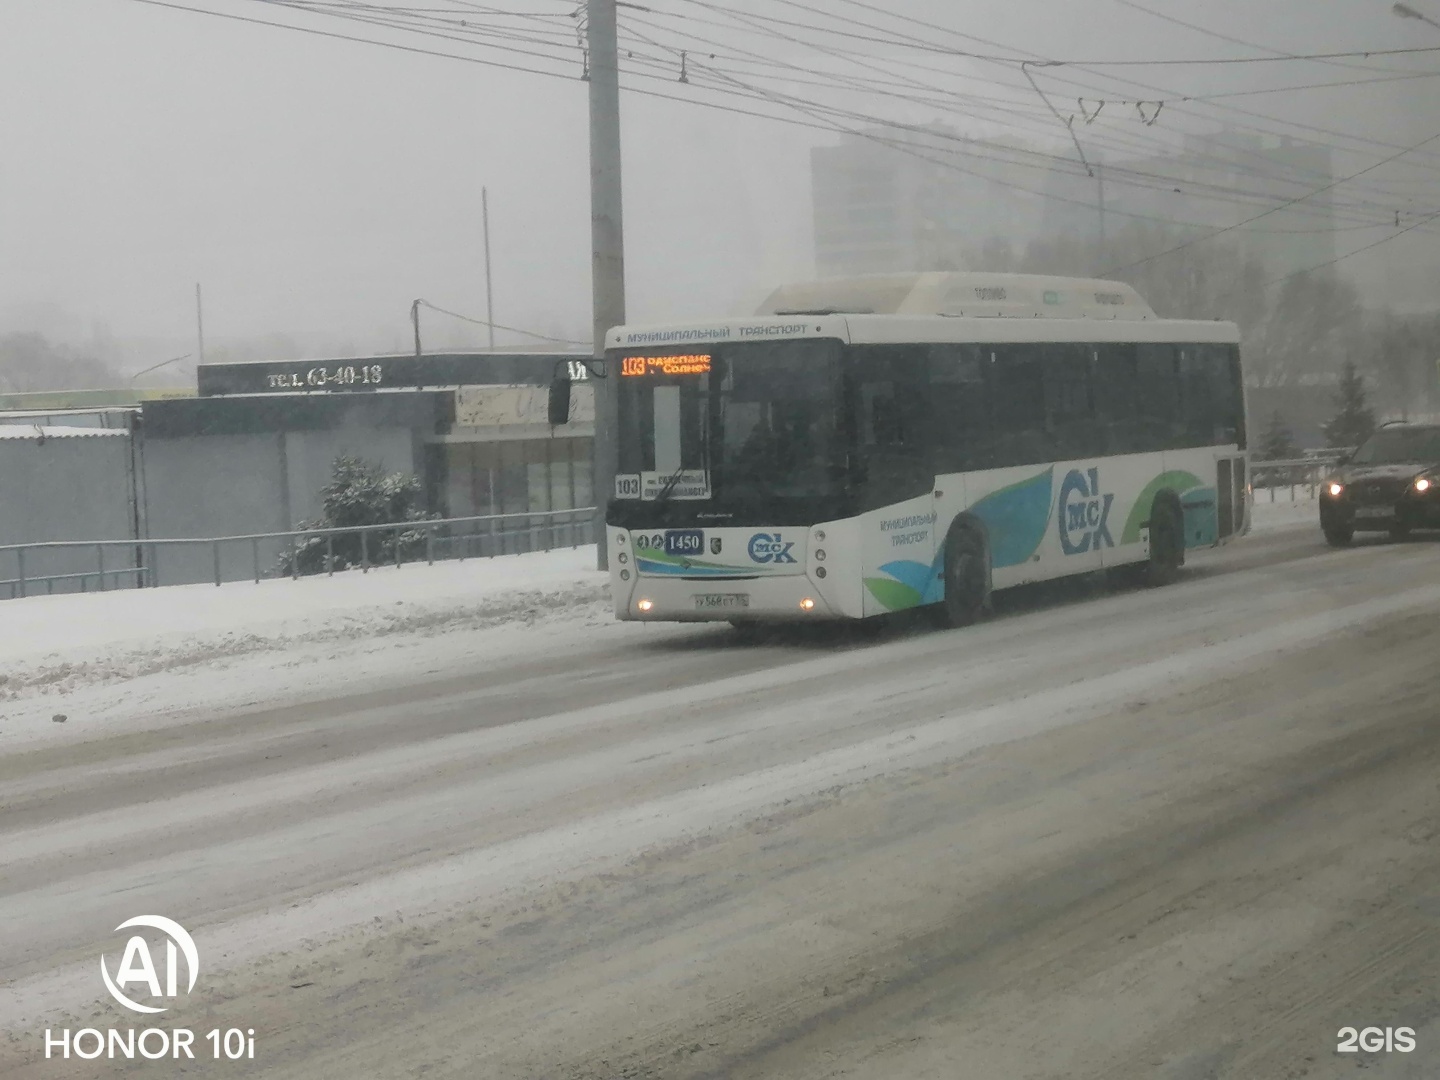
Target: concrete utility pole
<point x="1100" y="205"/>
<point x="489" y="305"/>
<point x="199" y="325"/>
<point x="607" y="240"/>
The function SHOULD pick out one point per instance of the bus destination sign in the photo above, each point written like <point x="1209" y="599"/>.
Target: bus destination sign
<point x="685" y="364"/>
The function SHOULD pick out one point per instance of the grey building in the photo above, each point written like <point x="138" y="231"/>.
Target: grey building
<point x="67" y="483"/>
<point x="252" y="452"/>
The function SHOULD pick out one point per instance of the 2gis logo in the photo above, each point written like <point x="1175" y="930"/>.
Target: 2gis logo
<point x="139" y="976"/>
<point x="1373" y="1040"/>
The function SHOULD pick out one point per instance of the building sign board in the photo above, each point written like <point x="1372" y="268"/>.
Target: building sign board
<point x="407" y="372"/>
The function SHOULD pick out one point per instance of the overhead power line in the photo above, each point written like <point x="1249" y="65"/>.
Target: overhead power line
<point x="811" y="109"/>
<point x="1028" y="117"/>
<point x="925" y="46"/>
<point x="348" y="37"/>
<point x="353" y="5"/>
<point x="815" y="112"/>
<point x="1276" y="53"/>
<point x="1156" y="90"/>
<point x="1276" y="209"/>
<point x="497" y="326"/>
<point x="1014" y="113"/>
<point x="1341" y="258"/>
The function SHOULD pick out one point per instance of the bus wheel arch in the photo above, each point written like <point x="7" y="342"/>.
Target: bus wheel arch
<point x="1167" y="538"/>
<point x="966" y="573"/>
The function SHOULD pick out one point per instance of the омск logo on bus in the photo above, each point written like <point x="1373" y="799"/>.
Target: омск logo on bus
<point x="1084" y="513"/>
<point x="770" y="548"/>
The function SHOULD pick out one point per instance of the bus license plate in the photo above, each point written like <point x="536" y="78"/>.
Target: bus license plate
<point x="1374" y="511"/>
<point x="711" y="601"/>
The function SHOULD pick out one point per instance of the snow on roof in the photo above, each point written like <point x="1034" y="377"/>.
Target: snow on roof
<point x="38" y="432"/>
<point x="962" y="293"/>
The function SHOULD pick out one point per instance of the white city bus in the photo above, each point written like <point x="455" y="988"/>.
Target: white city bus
<point x="874" y="445"/>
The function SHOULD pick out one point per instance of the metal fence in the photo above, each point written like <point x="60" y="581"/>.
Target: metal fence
<point x="138" y="563"/>
<point x="1294" y="475"/>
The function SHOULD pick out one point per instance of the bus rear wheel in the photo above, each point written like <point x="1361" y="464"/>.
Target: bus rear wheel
<point x="1167" y="545"/>
<point x="967" y="579"/>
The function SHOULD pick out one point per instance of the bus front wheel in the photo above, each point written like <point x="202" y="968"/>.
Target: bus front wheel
<point x="967" y="579"/>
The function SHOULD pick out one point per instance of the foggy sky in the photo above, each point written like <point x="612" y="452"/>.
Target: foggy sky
<point x="318" y="186"/>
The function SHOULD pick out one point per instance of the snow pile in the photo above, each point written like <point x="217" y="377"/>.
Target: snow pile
<point x="53" y="646"/>
<point x="1267" y="516"/>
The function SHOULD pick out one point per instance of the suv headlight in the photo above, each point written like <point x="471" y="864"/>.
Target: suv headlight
<point x="1333" y="488"/>
<point x="1424" y="483"/>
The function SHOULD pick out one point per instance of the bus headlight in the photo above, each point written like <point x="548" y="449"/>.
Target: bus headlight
<point x="819" y="571"/>
<point x="820" y="552"/>
<point x="624" y="575"/>
<point x="622" y="558"/>
<point x="820" y="535"/>
<point x="645" y="605"/>
<point x="807" y="604"/>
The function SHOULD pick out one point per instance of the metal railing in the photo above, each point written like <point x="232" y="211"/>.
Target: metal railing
<point x="442" y="539"/>
<point x="1296" y="474"/>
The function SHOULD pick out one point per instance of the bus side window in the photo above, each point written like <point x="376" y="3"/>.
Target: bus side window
<point x="1220" y="413"/>
<point x="960" y="434"/>
<point x="1157" y="393"/>
<point x="1069" y="413"/>
<point x="890" y="407"/>
<point x="1206" y="398"/>
<point x="1116" y="406"/>
<point x="1017" y="392"/>
<point x="1235" y="380"/>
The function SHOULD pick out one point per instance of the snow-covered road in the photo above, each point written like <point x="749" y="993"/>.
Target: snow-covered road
<point x="1154" y="833"/>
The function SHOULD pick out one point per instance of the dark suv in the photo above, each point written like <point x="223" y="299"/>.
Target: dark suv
<point x="1390" y="484"/>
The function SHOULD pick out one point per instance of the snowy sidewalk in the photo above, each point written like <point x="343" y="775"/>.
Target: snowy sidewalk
<point x="189" y="647"/>
<point x="1266" y="516"/>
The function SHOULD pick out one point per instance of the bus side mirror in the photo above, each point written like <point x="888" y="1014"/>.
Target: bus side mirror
<point x="559" y="401"/>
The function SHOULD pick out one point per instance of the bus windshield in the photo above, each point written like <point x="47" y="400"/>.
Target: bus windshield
<point x="734" y="422"/>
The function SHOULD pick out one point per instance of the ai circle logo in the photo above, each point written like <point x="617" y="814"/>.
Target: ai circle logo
<point x="137" y="966"/>
<point x="770" y="548"/>
<point x="1084" y="513"/>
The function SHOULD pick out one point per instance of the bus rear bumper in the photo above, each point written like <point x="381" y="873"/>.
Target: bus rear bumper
<point x="771" y="599"/>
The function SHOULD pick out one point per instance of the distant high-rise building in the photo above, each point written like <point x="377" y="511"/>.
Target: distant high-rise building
<point x="892" y="200"/>
<point x="1211" y="182"/>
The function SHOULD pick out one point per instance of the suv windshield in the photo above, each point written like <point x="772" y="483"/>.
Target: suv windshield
<point x="1399" y="446"/>
<point x="742" y="421"/>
